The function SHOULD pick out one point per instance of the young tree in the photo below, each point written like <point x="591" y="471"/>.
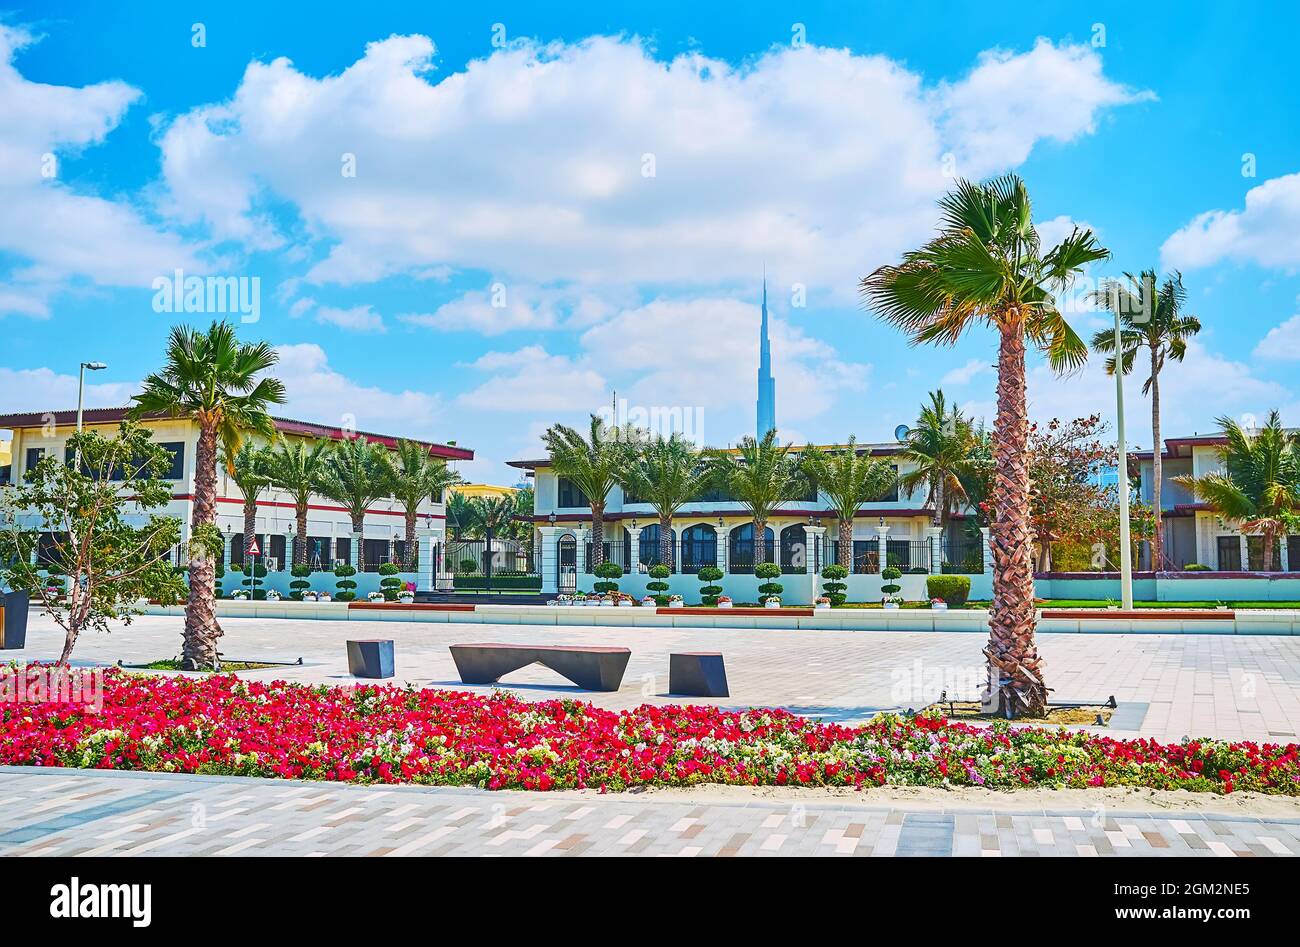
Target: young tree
<point x="296" y="468"/>
<point x="1260" y="485"/>
<point x="666" y="472"/>
<point x="462" y="516"/>
<point x="416" y="477"/>
<point x="761" y="475"/>
<point x="356" y="474"/>
<point x="986" y="265"/>
<point x="939" y="445"/>
<point x="249" y="468"/>
<point x="848" y="478"/>
<point x="93" y="518"/>
<point x="593" y="464"/>
<point x="219" y="383"/>
<point x="1153" y="321"/>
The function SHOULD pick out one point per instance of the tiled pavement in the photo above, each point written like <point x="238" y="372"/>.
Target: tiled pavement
<point x="1233" y="687"/>
<point x="114" y="813"/>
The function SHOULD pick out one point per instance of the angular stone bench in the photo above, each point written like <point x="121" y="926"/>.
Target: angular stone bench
<point x="697" y="674"/>
<point x="593" y="668"/>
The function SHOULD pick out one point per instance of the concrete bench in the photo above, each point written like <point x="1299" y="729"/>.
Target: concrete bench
<point x="697" y="674"/>
<point x="593" y="668"/>
<point x="371" y="658"/>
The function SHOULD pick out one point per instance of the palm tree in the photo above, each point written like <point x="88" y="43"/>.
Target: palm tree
<point x="666" y="473"/>
<point x="296" y="467"/>
<point x="417" y="477"/>
<point x="761" y="475"/>
<point x="593" y="465"/>
<point x="462" y="515"/>
<point x="216" y="381"/>
<point x="356" y="474"/>
<point x="1260" y="485"/>
<point x="249" y="468"/>
<point x="939" y="445"/>
<point x="1154" y="321"/>
<point x="848" y="478"/>
<point x="986" y="265"/>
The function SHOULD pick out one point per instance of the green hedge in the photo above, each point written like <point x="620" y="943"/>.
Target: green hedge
<point x="953" y="589"/>
<point x="525" y="582"/>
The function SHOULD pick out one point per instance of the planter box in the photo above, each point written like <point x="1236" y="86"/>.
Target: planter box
<point x="13" y="621"/>
<point x="371" y="659"/>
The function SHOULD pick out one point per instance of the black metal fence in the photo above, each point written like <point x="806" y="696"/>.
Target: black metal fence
<point x="490" y="565"/>
<point x="865" y="557"/>
<point x="908" y="555"/>
<point x="963" y="555"/>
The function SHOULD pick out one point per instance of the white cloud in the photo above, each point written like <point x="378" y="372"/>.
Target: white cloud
<point x="1266" y="231"/>
<point x="317" y="392"/>
<point x="966" y="373"/>
<point x="531" y="380"/>
<point x="444" y="177"/>
<point x="56" y="232"/>
<point x="474" y="312"/>
<point x="1281" y="342"/>
<point x="357" y="319"/>
<point x="42" y="389"/>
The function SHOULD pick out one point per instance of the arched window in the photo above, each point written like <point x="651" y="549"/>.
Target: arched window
<point x="699" y="548"/>
<point x="795" y="554"/>
<point x="741" y="558"/>
<point x="648" y="553"/>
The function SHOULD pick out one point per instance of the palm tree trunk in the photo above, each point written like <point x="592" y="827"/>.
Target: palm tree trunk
<point x="1267" y="564"/>
<point x="300" y="547"/>
<point x="359" y="537"/>
<point x="199" y="649"/>
<point x="409" y="558"/>
<point x="939" y="500"/>
<point x="760" y="541"/>
<point x="597" y="536"/>
<point x="1157" y="539"/>
<point x="250" y="536"/>
<point x="846" y="543"/>
<point x="666" y="541"/>
<point x="1012" y="650"/>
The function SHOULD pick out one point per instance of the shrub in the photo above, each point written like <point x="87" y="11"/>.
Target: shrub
<point x="346" y="587"/>
<point x="1196" y="567"/>
<point x="390" y="584"/>
<point x="709" y="592"/>
<point x="299" y="583"/>
<point x="607" y="571"/>
<point x="891" y="588"/>
<point x="918" y="570"/>
<point x="836" y="589"/>
<point x="953" y="589"/>
<point x="769" y="589"/>
<point x="659" y="588"/>
<point x="467" y="566"/>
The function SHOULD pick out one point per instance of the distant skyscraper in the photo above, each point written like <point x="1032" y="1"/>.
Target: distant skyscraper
<point x="766" y="384"/>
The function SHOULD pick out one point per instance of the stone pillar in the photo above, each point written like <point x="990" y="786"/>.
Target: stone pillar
<point x="1284" y="558"/>
<point x="936" y="549"/>
<point x="882" y="532"/>
<point x="425" y="575"/>
<point x="988" y="550"/>
<point x="677" y="552"/>
<point x="816" y="536"/>
<point x="1245" y="552"/>
<point x="634" y="548"/>
<point x="225" y="554"/>
<point x="550" y="558"/>
<point x="580" y="551"/>
<point x="724" y="549"/>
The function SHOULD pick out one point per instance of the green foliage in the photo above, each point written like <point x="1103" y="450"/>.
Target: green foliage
<point x="891" y="588"/>
<point x="709" y="574"/>
<point x="659" y="588"/>
<point x="389" y="568"/>
<point x="953" y="589"/>
<point x="846" y="478"/>
<point x="607" y="571"/>
<point x="660" y="572"/>
<point x="467" y="566"/>
<point x="761" y="474"/>
<point x="767" y="570"/>
<point x="711" y="590"/>
<point x="768" y="589"/>
<point x="356" y="474"/>
<point x="1196" y="567"/>
<point x="666" y="473"/>
<point x="113" y="562"/>
<point x="835" y="587"/>
<point x="939" y="448"/>
<point x="346" y="586"/>
<point x="300" y="572"/>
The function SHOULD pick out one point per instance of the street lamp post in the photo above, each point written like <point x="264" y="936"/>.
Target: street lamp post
<point x="81" y="392"/>
<point x="1125" y="554"/>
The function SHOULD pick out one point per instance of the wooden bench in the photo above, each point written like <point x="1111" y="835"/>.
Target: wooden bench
<point x="590" y="667"/>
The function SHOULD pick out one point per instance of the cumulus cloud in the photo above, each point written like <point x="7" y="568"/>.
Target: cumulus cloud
<point x="691" y="171"/>
<point x="318" y="392"/>
<point x="1266" y="231"/>
<point x="43" y="389"/>
<point x="475" y="311"/>
<point x="964" y="374"/>
<point x="355" y="319"/>
<point x="531" y="380"/>
<point x="1282" y="342"/>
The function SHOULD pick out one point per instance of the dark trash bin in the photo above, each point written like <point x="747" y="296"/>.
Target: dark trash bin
<point x="13" y="621"/>
<point x="371" y="658"/>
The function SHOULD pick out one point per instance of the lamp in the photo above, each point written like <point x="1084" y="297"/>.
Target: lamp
<point x="81" y="389"/>
<point x="634" y="522"/>
<point x="721" y="525"/>
<point x="882" y="521"/>
<point x="552" y="518"/>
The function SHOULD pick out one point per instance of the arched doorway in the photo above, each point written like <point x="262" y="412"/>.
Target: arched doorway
<point x="699" y="548"/>
<point x="795" y="554"/>
<point x="566" y="564"/>
<point x="741" y="544"/>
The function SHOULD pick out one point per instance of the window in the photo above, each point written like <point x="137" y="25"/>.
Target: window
<point x="343" y="551"/>
<point x="1255" y="552"/>
<point x="278" y="546"/>
<point x="1293" y="553"/>
<point x="570" y="495"/>
<point x="891" y="496"/>
<point x="699" y="548"/>
<point x="177" y="469"/>
<point x="1229" y="548"/>
<point x="34" y="455"/>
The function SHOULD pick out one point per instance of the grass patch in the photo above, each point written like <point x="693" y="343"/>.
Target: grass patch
<point x="174" y="664"/>
<point x="969" y="710"/>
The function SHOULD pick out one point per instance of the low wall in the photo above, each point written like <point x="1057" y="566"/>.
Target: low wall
<point x="797" y="589"/>
<point x="367" y="582"/>
<point x="1174" y="586"/>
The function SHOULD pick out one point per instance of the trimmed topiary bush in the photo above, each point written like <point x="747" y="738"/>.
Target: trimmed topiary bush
<point x="659" y="588"/>
<point x="835" y="589"/>
<point x="953" y="589"/>
<point x="299" y="583"/>
<point x="769" y="589"/>
<point x="607" y="571"/>
<point x="709" y="592"/>
<point x="256" y="574"/>
<point x="347" y="589"/>
<point x="891" y="588"/>
<point x="390" y="585"/>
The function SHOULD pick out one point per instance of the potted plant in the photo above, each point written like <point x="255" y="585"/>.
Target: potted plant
<point x="724" y="601"/>
<point x="299" y="586"/>
<point x="659" y="588"/>
<point x="822" y="601"/>
<point x="308" y="596"/>
<point x="375" y="597"/>
<point x="345" y="584"/>
<point x="709" y="593"/>
<point x="607" y="572"/>
<point x="938" y="604"/>
<point x="675" y="601"/>
<point x="390" y="586"/>
<point x="407" y="596"/>
<point x="326" y="597"/>
<point x="769" y="590"/>
<point x="272" y="595"/>
<point x="625" y="600"/>
<point x="891" y="588"/>
<point x="649" y="600"/>
<point x="835" y="588"/>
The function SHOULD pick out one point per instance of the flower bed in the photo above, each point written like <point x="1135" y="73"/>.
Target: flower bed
<point x="222" y="725"/>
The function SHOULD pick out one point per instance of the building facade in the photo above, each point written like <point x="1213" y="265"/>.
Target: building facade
<point x="329" y="528"/>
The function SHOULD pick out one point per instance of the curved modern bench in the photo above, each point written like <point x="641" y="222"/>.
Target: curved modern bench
<point x="594" y="668"/>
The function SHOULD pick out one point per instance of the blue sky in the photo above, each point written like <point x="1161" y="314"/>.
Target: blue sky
<point x="615" y="182"/>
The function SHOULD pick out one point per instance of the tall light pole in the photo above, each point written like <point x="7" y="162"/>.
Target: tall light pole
<point x="81" y="391"/>
<point x="1125" y="555"/>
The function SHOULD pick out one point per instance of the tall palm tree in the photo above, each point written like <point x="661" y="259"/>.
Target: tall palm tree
<point x="249" y="468"/>
<point x="295" y="467"/>
<point x="986" y="265"/>
<point x="666" y="473"/>
<point x="416" y="477"/>
<point x="1260" y="485"/>
<point x="761" y="475"/>
<point x="216" y="381"/>
<point x="356" y="474"/>
<point x="1151" y="320"/>
<point x="848" y="478"/>
<point x="939" y="446"/>
<point x="462" y="516"/>
<point x="593" y="465"/>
